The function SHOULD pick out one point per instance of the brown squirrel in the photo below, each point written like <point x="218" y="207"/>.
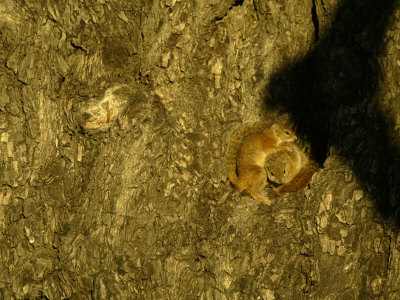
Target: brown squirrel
<point x="248" y="149"/>
<point x="291" y="170"/>
<point x="279" y="168"/>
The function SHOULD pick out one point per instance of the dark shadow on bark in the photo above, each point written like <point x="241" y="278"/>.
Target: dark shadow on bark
<point x="330" y="96"/>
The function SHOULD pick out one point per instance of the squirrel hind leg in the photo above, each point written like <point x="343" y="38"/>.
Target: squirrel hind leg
<point x="241" y="184"/>
<point x="245" y="178"/>
<point x="257" y="179"/>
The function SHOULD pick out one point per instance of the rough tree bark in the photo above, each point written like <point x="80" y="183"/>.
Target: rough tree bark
<point x="114" y="117"/>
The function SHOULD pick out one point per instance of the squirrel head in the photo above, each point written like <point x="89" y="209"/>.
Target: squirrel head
<point x="284" y="133"/>
<point x="277" y="172"/>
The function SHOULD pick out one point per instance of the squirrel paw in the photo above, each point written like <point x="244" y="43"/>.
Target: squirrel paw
<point x="278" y="190"/>
<point x="262" y="199"/>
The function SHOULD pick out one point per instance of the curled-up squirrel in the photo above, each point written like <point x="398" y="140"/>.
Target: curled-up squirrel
<point x="248" y="149"/>
<point x="301" y="179"/>
<point x="290" y="171"/>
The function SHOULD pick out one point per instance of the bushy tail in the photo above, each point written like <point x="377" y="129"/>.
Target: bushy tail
<point x="235" y="141"/>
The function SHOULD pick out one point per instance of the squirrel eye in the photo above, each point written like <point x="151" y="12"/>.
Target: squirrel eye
<point x="286" y="131"/>
<point x="284" y="171"/>
<point x="272" y="173"/>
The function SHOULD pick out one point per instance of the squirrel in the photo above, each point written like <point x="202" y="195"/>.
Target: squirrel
<point x="248" y="149"/>
<point x="279" y="168"/>
<point x="290" y="170"/>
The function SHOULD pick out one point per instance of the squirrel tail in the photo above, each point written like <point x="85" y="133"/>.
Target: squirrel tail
<point x="234" y="144"/>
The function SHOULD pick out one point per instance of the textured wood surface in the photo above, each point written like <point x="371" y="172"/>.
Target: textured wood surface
<point x="114" y="118"/>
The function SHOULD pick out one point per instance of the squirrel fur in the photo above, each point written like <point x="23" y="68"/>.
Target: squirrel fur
<point x="248" y="149"/>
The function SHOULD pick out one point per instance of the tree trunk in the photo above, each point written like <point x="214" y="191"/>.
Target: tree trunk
<point x="114" y="119"/>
